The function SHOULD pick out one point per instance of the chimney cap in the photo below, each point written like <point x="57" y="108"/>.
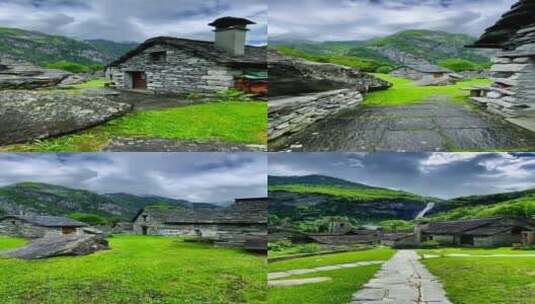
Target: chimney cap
<point x="226" y="22"/>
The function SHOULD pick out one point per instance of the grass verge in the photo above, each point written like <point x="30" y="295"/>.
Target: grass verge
<point x="491" y="280"/>
<point x="405" y="91"/>
<point x="138" y="269"/>
<point x="7" y="243"/>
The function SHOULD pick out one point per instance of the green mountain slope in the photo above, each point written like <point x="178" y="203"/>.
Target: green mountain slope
<point x="405" y="47"/>
<point x="43" y="49"/>
<point x="46" y="199"/>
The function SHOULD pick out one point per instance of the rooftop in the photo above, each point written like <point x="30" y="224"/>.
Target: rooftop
<point x="428" y="68"/>
<point x="487" y="226"/>
<point x="47" y="221"/>
<point x="206" y="49"/>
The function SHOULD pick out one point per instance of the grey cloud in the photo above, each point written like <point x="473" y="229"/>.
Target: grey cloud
<point x="209" y="177"/>
<point x="443" y="175"/>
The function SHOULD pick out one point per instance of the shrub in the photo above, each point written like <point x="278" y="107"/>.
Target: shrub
<point x="279" y="245"/>
<point x="91" y="219"/>
<point x="69" y="66"/>
<point x="461" y="65"/>
<point x="230" y="95"/>
<point x="309" y="248"/>
<point x="384" y="70"/>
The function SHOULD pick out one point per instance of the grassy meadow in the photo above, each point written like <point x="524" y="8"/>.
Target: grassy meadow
<point x="405" y="91"/>
<point x="489" y="280"/>
<point x="138" y="269"/>
<point x="344" y="282"/>
<point x="226" y="121"/>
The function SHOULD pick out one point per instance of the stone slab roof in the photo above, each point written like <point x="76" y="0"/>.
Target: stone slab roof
<point x="239" y="213"/>
<point x="344" y="239"/>
<point x="255" y="56"/>
<point x="47" y="221"/>
<point x="427" y="68"/>
<point x="487" y="226"/>
<point x="520" y="16"/>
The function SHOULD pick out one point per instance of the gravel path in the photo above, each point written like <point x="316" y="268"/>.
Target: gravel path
<point x="402" y="280"/>
<point x="439" y="124"/>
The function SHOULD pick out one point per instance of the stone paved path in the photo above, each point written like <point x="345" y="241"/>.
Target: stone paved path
<point x="297" y="282"/>
<point x="285" y="274"/>
<point x="438" y="124"/>
<point x="168" y="145"/>
<point x="402" y="280"/>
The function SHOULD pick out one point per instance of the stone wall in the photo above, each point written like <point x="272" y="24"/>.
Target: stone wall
<point x="19" y="228"/>
<point x="502" y="239"/>
<point x="293" y="114"/>
<point x="444" y="239"/>
<point x="181" y="73"/>
<point x="512" y="94"/>
<point x="406" y="72"/>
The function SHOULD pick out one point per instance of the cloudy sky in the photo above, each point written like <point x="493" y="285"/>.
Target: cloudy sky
<point x="200" y="177"/>
<point x="131" y="20"/>
<point x="342" y="20"/>
<point x="443" y="175"/>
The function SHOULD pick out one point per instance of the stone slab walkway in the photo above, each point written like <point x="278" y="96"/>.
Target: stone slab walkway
<point x="402" y="280"/>
<point x="439" y="124"/>
<point x="285" y="274"/>
<point x="465" y="255"/>
<point x="168" y="145"/>
<point x="297" y="282"/>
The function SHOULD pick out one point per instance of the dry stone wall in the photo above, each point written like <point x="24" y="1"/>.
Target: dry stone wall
<point x="18" y="228"/>
<point x="181" y="73"/>
<point x="293" y="114"/>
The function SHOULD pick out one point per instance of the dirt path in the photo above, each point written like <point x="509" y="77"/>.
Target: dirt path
<point x="402" y="280"/>
<point x="439" y="124"/>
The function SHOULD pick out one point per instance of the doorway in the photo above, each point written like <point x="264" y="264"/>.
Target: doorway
<point x="144" y="230"/>
<point x="467" y="240"/>
<point x="139" y="81"/>
<point x="68" y="230"/>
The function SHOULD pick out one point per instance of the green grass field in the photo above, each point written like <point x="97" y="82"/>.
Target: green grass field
<point x="344" y="282"/>
<point x="490" y="280"/>
<point x="138" y="269"/>
<point x="406" y="92"/>
<point x="358" y="194"/>
<point x="236" y="122"/>
<point x="10" y="243"/>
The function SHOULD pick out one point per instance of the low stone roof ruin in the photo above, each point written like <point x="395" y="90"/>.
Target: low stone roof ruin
<point x="47" y="221"/>
<point x="254" y="56"/>
<point x="500" y="34"/>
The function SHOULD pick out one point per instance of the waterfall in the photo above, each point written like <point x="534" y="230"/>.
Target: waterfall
<point x="425" y="210"/>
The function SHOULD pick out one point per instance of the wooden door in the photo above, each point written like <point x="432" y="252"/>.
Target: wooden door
<point x="68" y="230"/>
<point x="139" y="81"/>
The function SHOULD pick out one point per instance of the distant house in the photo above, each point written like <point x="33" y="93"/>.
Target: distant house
<point x="182" y="66"/>
<point x="427" y="74"/>
<point x="34" y="227"/>
<point x="513" y="72"/>
<point x="243" y="224"/>
<point x="488" y="232"/>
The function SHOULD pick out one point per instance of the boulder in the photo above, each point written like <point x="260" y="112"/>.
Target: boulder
<point x="17" y="74"/>
<point x="29" y="115"/>
<point x="72" y="245"/>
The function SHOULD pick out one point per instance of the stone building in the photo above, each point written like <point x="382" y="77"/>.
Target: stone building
<point x="170" y="65"/>
<point x="513" y="92"/>
<point x="427" y="74"/>
<point x="489" y="232"/>
<point x="34" y="227"/>
<point x="242" y="224"/>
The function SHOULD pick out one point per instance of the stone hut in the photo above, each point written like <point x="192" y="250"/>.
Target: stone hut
<point x="169" y="65"/>
<point x="241" y="225"/>
<point x="513" y="92"/>
<point x="34" y="227"/>
<point x="489" y="232"/>
<point x="427" y="74"/>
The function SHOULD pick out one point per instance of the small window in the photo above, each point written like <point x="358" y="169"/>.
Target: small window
<point x="13" y="222"/>
<point x="145" y="218"/>
<point x="158" y="57"/>
<point x="430" y="238"/>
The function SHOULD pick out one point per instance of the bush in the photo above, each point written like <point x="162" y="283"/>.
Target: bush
<point x="74" y="67"/>
<point x="230" y="95"/>
<point x="309" y="248"/>
<point x="279" y="245"/>
<point x="461" y="65"/>
<point x="430" y="245"/>
<point x="384" y="70"/>
<point x="91" y="219"/>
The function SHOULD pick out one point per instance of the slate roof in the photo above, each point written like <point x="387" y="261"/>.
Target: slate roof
<point x="254" y="56"/>
<point x="521" y="15"/>
<point x="242" y="213"/>
<point x="47" y="221"/>
<point x="487" y="226"/>
<point x="427" y="68"/>
<point x="396" y="236"/>
<point x="230" y="21"/>
<point x="345" y="239"/>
